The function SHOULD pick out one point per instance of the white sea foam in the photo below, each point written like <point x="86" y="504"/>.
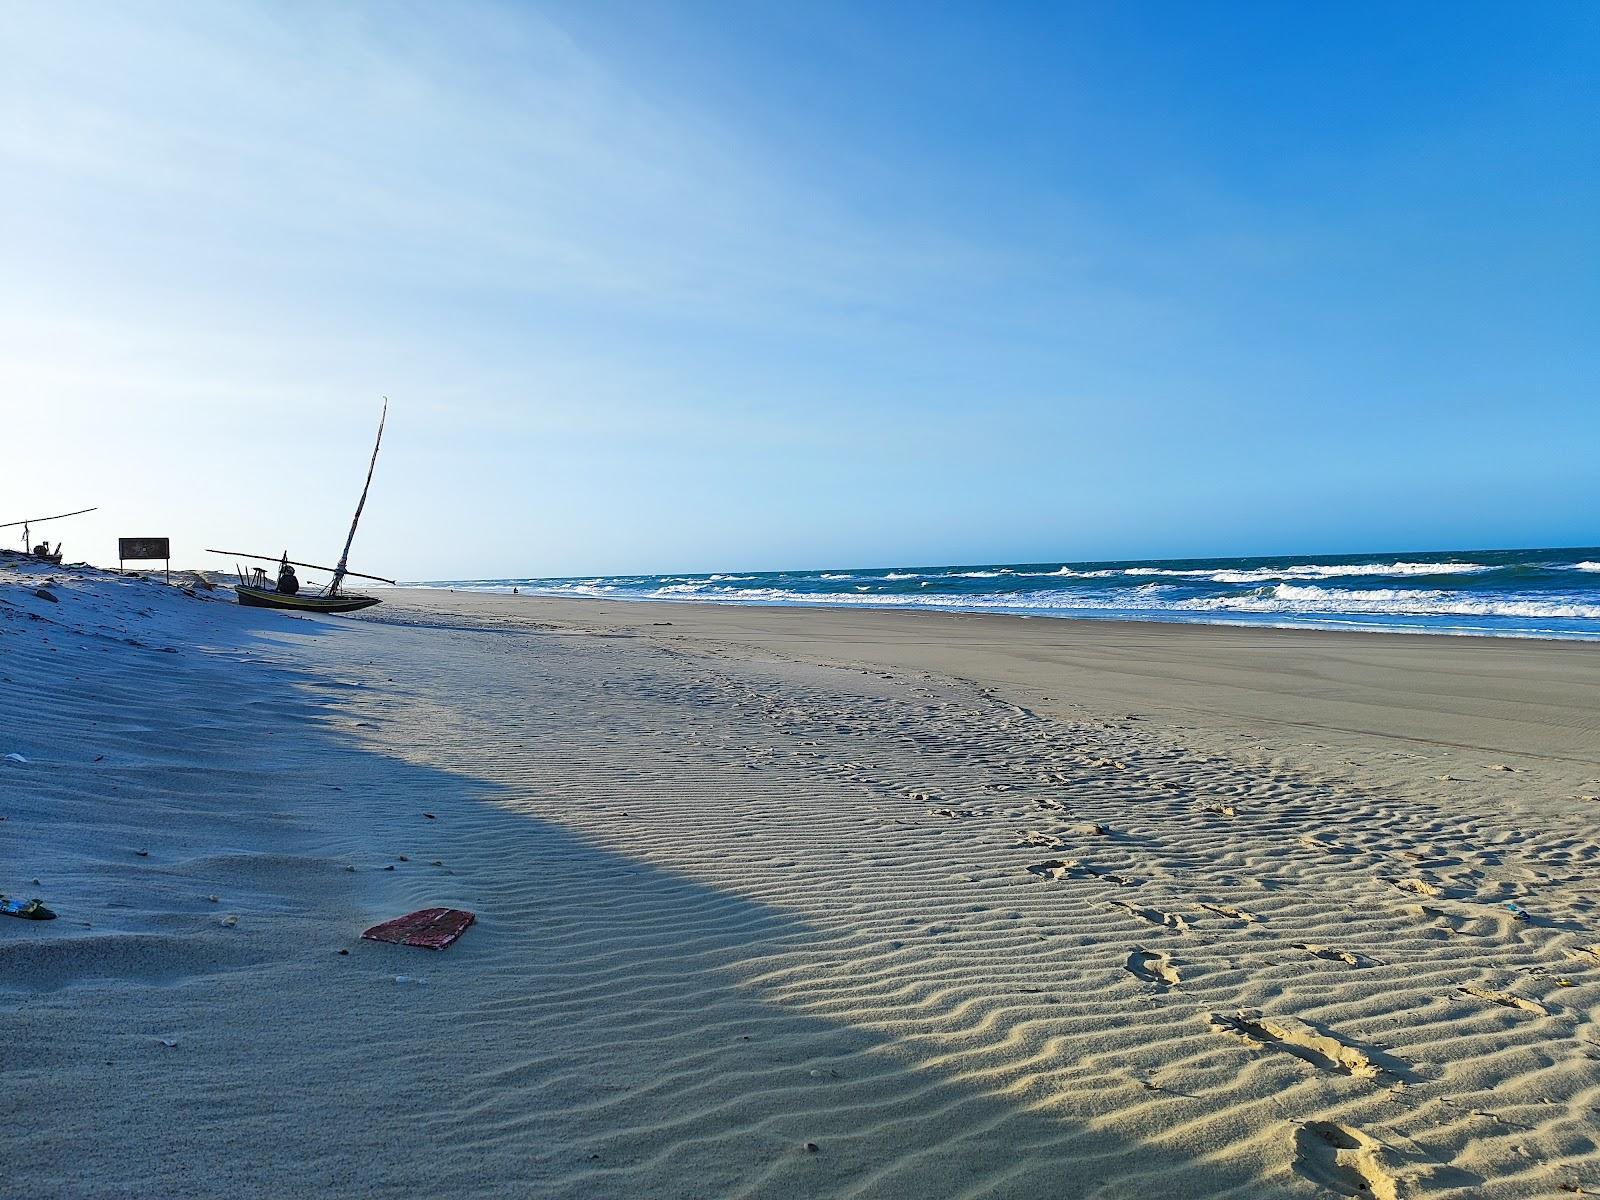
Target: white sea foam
<point x="552" y="589"/>
<point x="1063" y="573"/>
<point x="1310" y="571"/>
<point x="1254" y="575"/>
<point x="1305" y="593"/>
<point x="1295" y="599"/>
<point x="1288" y="598"/>
<point x="1283" y="604"/>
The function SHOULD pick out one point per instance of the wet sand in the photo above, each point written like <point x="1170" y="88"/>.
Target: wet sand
<point x="1330" y="696"/>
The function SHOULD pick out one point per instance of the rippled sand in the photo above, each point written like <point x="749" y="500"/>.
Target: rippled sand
<point x="792" y="903"/>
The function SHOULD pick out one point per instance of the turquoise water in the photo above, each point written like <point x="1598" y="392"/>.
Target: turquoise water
<point x="1529" y="593"/>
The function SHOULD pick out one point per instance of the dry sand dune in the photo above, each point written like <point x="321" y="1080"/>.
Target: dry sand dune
<point x="771" y="908"/>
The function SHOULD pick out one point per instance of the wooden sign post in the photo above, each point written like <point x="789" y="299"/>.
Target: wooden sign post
<point x="137" y="549"/>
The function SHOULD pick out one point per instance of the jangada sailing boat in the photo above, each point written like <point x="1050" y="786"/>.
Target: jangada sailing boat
<point x="258" y="590"/>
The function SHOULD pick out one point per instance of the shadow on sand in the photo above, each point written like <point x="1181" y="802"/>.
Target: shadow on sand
<point x="589" y="1038"/>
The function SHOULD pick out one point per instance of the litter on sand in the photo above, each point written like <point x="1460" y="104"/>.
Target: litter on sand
<point x="430" y="928"/>
<point x="28" y="910"/>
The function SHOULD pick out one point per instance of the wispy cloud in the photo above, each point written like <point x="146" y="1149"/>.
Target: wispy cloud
<point x="404" y="147"/>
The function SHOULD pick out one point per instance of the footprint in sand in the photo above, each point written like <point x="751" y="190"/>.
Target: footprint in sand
<point x="1299" y="1039"/>
<point x="1234" y="914"/>
<point x="1070" y="868"/>
<point x="1438" y="919"/>
<point x="1417" y="887"/>
<point x="1311" y="841"/>
<point x="1032" y="838"/>
<point x="1506" y="999"/>
<point x="1153" y="966"/>
<point x="1332" y="954"/>
<point x="1153" y="916"/>
<point x="1343" y="1160"/>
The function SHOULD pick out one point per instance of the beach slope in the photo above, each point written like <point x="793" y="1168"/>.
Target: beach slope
<point x="776" y="904"/>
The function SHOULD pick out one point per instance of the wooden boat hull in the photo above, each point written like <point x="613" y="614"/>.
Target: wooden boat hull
<point x="254" y="597"/>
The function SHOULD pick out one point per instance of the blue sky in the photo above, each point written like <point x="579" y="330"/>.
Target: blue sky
<point x="666" y="286"/>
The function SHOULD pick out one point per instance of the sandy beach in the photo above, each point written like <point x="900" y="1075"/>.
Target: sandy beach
<point x="788" y="902"/>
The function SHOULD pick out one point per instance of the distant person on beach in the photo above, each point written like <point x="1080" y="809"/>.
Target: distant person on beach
<point x="288" y="583"/>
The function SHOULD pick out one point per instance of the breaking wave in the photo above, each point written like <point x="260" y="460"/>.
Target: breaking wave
<point x="1546" y="593"/>
<point x="1388" y="601"/>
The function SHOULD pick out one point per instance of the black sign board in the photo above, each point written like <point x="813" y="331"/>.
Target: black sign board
<point x="144" y="548"/>
<point x="137" y="548"/>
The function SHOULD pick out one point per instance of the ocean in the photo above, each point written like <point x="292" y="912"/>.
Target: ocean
<point x="1517" y="593"/>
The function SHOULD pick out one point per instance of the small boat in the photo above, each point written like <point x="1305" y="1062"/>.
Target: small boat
<point x="42" y="551"/>
<point x="257" y="590"/>
<point x="260" y="592"/>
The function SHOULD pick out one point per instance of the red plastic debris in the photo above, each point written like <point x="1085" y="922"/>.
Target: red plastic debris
<point x="430" y="928"/>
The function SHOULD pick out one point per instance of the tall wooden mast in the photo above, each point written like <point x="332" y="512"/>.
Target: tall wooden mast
<point x="340" y="571"/>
